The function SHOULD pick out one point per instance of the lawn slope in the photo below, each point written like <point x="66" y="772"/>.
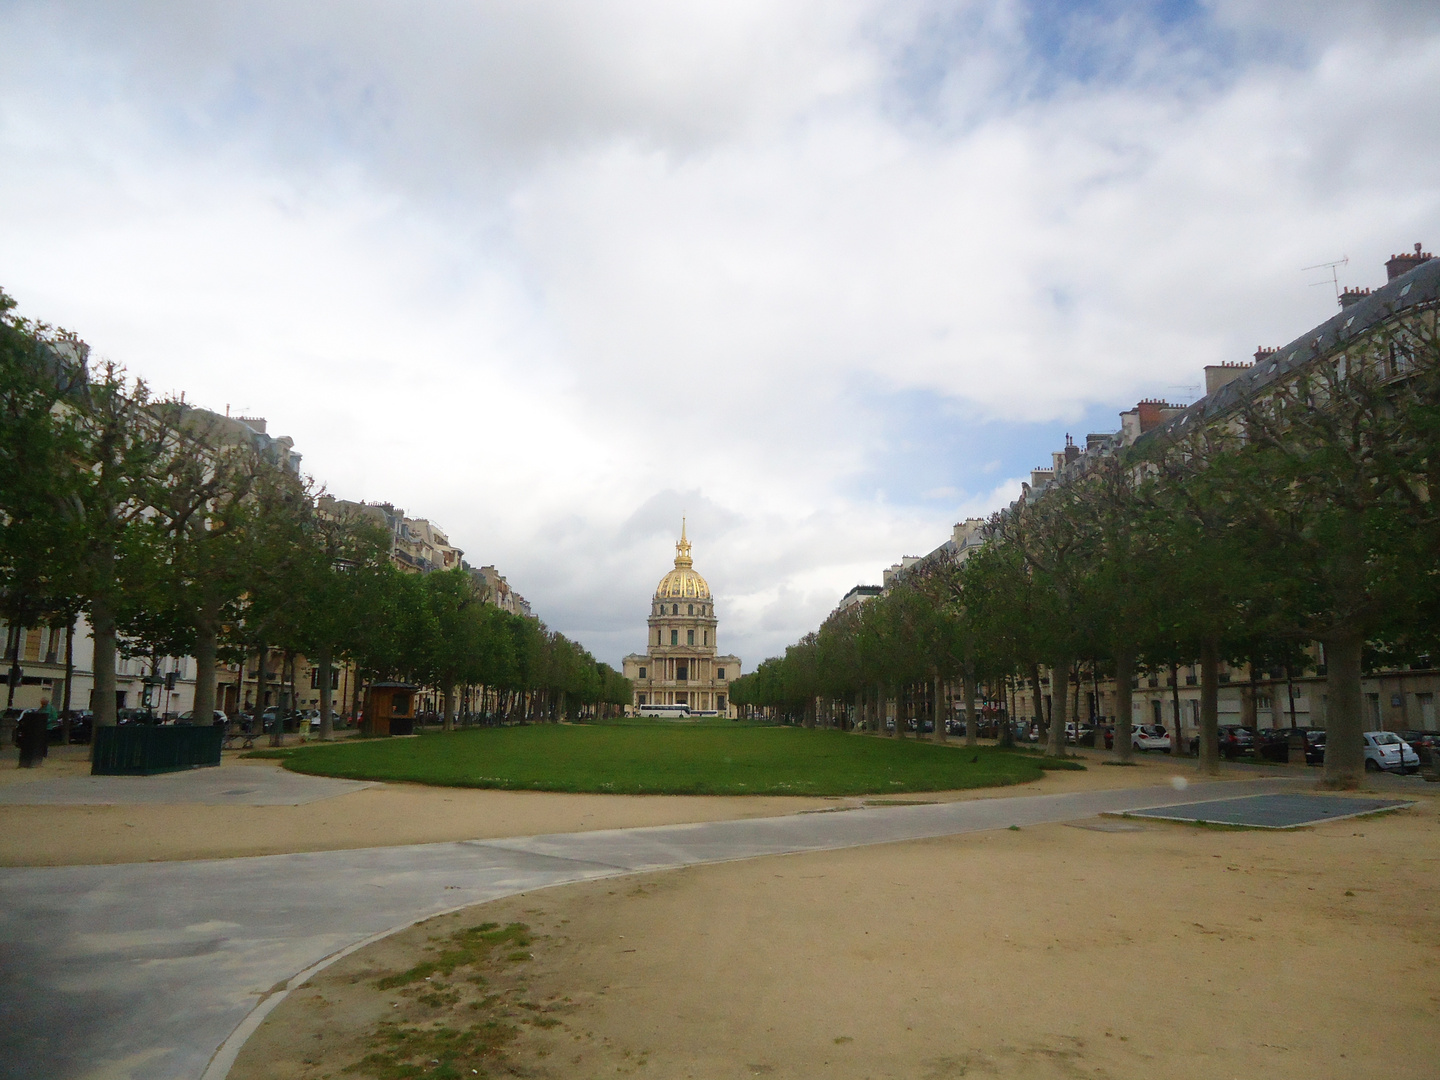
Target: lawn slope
<point x="668" y="760"/>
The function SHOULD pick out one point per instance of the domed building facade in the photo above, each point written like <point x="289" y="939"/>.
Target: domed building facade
<point x="682" y="664"/>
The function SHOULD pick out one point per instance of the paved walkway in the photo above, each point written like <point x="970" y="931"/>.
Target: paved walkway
<point x="141" y="971"/>
<point x="237" y="785"/>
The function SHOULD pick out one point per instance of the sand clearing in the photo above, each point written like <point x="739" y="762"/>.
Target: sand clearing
<point x="1170" y="951"/>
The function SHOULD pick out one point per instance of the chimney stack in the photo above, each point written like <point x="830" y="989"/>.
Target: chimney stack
<point x="1354" y="296"/>
<point x="1217" y="375"/>
<point x="1403" y="264"/>
<point x="1263" y="352"/>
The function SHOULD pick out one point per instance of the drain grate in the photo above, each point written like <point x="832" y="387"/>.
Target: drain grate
<point x="1286" y="811"/>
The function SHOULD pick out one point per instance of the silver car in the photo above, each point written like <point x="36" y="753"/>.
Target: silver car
<point x="1387" y="752"/>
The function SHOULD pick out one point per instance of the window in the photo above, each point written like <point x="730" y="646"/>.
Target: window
<point x="692" y="609"/>
<point x="707" y="637"/>
<point x="720" y="702"/>
<point x="315" y="678"/>
<point x="674" y="637"/>
<point x="682" y="672"/>
<point x="642" y="675"/>
<point x="674" y="609"/>
<point x="689" y="637"/>
<point x="720" y="674"/>
<point x="640" y="699"/>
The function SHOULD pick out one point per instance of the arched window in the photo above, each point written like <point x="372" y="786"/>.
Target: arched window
<point x="674" y="609"/>
<point x="692" y="609"/>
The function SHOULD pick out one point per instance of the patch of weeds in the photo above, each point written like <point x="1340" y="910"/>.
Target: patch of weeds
<point x="439" y="998"/>
<point x="467" y="947"/>
<point x="401" y="1052"/>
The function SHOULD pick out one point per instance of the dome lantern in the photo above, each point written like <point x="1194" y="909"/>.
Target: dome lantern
<point x="682" y="583"/>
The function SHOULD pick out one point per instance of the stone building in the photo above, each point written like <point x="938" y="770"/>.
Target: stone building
<point x="681" y="664"/>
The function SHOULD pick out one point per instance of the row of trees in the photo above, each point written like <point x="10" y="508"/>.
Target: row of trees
<point x="1300" y="515"/>
<point x="177" y="533"/>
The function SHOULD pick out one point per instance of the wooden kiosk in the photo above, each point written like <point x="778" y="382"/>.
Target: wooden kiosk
<point x="390" y="709"/>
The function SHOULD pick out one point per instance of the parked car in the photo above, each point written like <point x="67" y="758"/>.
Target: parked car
<point x="82" y="725"/>
<point x="1387" y="752"/>
<point x="1273" y="744"/>
<point x="289" y="719"/>
<point x="1149" y="737"/>
<point x="1426" y="744"/>
<point x="136" y="716"/>
<point x="187" y="719"/>
<point x="1236" y="740"/>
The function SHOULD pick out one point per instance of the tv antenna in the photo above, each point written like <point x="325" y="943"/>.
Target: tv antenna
<point x="1333" y="267"/>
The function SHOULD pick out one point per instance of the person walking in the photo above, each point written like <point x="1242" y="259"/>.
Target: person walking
<point x="32" y="735"/>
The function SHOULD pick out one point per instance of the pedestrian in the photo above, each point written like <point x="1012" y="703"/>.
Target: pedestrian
<point x="32" y="735"/>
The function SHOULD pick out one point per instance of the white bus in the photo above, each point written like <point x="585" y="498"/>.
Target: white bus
<point x="672" y="712"/>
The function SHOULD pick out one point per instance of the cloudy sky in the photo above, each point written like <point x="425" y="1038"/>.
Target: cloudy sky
<point x="825" y="275"/>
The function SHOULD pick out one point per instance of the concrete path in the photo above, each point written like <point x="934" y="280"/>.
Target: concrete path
<point x="238" y="785"/>
<point x="141" y="971"/>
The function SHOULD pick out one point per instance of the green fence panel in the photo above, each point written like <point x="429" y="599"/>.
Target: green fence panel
<point x="143" y="749"/>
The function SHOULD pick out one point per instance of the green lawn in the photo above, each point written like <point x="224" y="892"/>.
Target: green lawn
<point x="666" y="759"/>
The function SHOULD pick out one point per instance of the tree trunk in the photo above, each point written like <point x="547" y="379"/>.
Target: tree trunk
<point x="938" y="711"/>
<point x="1059" y="703"/>
<point x="1344" y="723"/>
<point x="277" y="734"/>
<point x="102" y="631"/>
<point x="1037" y="702"/>
<point x="972" y="717"/>
<point x="12" y="654"/>
<point x="1124" y="718"/>
<point x="1209" y="705"/>
<point x="205" y="648"/>
<point x="1177" y="741"/>
<point x="1249" y="716"/>
<point x="326" y="662"/>
<point x="1007" y="729"/>
<point x="69" y="678"/>
<point x="448" y="724"/>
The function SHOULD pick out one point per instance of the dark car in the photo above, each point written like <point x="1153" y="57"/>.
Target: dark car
<point x="289" y="718"/>
<point x="1236" y="740"/>
<point x="136" y="716"/>
<point x="1426" y="744"/>
<point x="1273" y="744"/>
<point x="82" y="725"/>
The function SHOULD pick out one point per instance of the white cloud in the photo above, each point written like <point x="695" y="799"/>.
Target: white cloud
<point x="553" y="274"/>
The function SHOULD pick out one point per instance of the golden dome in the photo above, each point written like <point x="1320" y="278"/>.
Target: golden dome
<point x="682" y="583"/>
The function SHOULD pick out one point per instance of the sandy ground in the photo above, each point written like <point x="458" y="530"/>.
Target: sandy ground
<point x="392" y="814"/>
<point x="1054" y="952"/>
